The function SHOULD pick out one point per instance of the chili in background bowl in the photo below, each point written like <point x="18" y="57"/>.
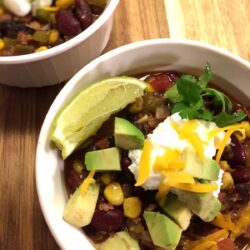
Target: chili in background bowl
<point x="61" y="62"/>
<point x="231" y="74"/>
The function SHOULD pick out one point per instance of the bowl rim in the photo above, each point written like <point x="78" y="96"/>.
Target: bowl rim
<point x="33" y="57"/>
<point x="69" y="86"/>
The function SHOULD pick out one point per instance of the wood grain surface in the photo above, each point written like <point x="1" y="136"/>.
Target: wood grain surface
<point x="225" y="23"/>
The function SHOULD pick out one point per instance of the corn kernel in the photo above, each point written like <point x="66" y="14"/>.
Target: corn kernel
<point x="2" y="44"/>
<point x="53" y="36"/>
<point x="241" y="135"/>
<point x="225" y="166"/>
<point x="77" y="166"/>
<point x="106" y="178"/>
<point x="227" y="181"/>
<point x="42" y="48"/>
<point x="132" y="207"/>
<point x="114" y="194"/>
<point x="64" y="3"/>
<point x="136" y="106"/>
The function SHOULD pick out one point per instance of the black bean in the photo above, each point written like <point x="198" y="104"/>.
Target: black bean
<point x="83" y="14"/>
<point x="107" y="220"/>
<point x="241" y="175"/>
<point x="66" y="23"/>
<point x="10" y="28"/>
<point x="125" y="162"/>
<point x="238" y="151"/>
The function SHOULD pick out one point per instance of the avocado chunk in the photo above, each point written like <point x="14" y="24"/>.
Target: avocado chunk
<point x="177" y="211"/>
<point x="80" y="207"/>
<point x="204" y="205"/>
<point x="164" y="232"/>
<point x="121" y="240"/>
<point x="206" y="169"/>
<point x="127" y="135"/>
<point x="103" y="160"/>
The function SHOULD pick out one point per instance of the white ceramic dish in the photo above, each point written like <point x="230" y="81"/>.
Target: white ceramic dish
<point x="60" y="63"/>
<point x="230" y="71"/>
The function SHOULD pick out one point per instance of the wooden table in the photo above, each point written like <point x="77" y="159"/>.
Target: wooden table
<point x="221" y="22"/>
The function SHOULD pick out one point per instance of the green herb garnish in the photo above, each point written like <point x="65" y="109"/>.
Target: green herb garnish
<point x="187" y="97"/>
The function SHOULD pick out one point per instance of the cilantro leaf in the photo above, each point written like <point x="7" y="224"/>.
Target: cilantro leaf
<point x="173" y="95"/>
<point x="219" y="99"/>
<point x="206" y="77"/>
<point x="187" y="87"/>
<point x="204" y="114"/>
<point x="223" y="119"/>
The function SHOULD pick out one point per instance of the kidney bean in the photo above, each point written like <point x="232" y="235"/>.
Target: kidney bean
<point x="247" y="152"/>
<point x="66" y="23"/>
<point x="73" y="179"/>
<point x="241" y="175"/>
<point x="83" y="14"/>
<point x="239" y="157"/>
<point x="107" y="220"/>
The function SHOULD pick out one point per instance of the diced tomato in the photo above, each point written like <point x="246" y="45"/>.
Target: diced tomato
<point x="160" y="82"/>
<point x="226" y="244"/>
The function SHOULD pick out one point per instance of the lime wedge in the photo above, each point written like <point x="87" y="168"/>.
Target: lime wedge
<point x="85" y="114"/>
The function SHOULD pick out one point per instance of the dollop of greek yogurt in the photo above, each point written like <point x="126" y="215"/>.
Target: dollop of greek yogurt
<point x="164" y="135"/>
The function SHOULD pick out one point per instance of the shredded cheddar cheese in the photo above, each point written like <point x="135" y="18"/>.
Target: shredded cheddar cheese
<point x="208" y="241"/>
<point x="84" y="186"/>
<point x="187" y="131"/>
<point x="162" y="193"/>
<point x="170" y="160"/>
<point x="144" y="164"/>
<point x="197" y="187"/>
<point x="225" y="221"/>
<point x="242" y="223"/>
<point x="178" y="177"/>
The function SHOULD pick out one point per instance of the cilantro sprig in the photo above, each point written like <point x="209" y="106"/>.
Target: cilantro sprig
<point x="188" y="96"/>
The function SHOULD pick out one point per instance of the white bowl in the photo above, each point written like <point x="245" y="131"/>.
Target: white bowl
<point x="59" y="63"/>
<point x="230" y="72"/>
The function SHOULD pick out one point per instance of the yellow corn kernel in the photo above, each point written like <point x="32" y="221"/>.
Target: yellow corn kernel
<point x="225" y="166"/>
<point x="77" y="166"/>
<point x="136" y="106"/>
<point x="53" y="36"/>
<point x="106" y="178"/>
<point x="241" y="135"/>
<point x="132" y="207"/>
<point x="227" y="181"/>
<point x="114" y="194"/>
<point x="64" y="3"/>
<point x="42" y="48"/>
<point x="2" y="44"/>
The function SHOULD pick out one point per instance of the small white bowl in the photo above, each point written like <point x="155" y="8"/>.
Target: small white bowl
<point x="59" y="63"/>
<point x="230" y="72"/>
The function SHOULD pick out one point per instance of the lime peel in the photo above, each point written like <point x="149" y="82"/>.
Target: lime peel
<point x="85" y="114"/>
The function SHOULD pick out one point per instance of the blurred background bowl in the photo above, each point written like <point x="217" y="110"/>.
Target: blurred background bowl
<point x="61" y="62"/>
<point x="230" y="72"/>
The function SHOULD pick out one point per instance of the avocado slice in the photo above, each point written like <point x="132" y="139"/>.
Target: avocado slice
<point x="127" y="135"/>
<point x="80" y="207"/>
<point x="177" y="211"/>
<point x="103" y="160"/>
<point x="204" y="205"/>
<point x="164" y="232"/>
<point x="206" y="169"/>
<point x="121" y="240"/>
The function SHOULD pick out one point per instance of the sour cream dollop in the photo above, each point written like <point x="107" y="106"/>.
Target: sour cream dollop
<point x="18" y="7"/>
<point x="166" y="136"/>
